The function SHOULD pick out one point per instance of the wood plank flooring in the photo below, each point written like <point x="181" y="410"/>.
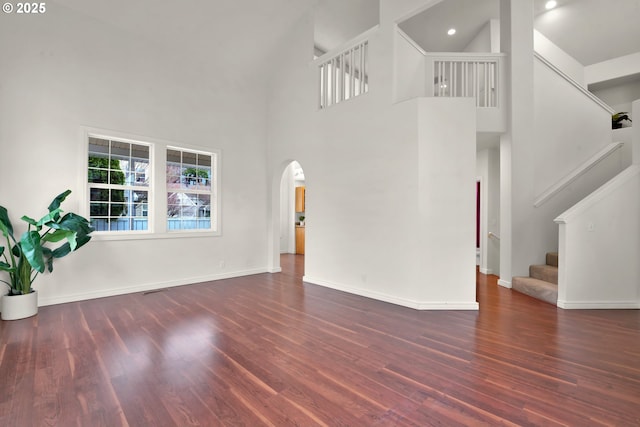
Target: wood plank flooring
<point x="267" y="350"/>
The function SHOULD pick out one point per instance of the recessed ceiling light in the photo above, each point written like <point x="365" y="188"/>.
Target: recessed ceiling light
<point x="550" y="4"/>
<point x="451" y="31"/>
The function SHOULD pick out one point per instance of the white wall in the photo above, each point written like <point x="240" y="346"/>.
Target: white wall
<point x="569" y="128"/>
<point x="62" y="70"/>
<point x="380" y="150"/>
<point x="287" y="211"/>
<point x="558" y="57"/>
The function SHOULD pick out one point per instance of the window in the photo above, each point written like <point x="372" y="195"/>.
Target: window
<point x="190" y="189"/>
<point x="126" y="197"/>
<point x="119" y="184"/>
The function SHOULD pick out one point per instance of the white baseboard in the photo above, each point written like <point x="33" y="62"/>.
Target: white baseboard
<point x="146" y="287"/>
<point x="417" y="305"/>
<point x="599" y="305"/>
<point x="486" y="271"/>
<point x="504" y="283"/>
<point x="274" y="270"/>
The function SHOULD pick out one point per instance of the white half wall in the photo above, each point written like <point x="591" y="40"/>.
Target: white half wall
<point x="447" y="196"/>
<point x="600" y="247"/>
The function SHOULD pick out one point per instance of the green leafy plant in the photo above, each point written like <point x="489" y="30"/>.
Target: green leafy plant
<point x="34" y="253"/>
<point x="617" y="118"/>
<point x="301" y="218"/>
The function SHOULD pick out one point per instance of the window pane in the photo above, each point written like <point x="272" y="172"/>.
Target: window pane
<point x="99" y="195"/>
<point x="204" y="160"/>
<point x="189" y="159"/>
<point x="174" y="156"/>
<point x="99" y="209"/>
<point x="140" y="152"/>
<point x="204" y="206"/>
<point x="189" y="181"/>
<point x="120" y="149"/>
<point x="118" y="209"/>
<point x="99" y="176"/>
<point x="116" y="176"/>
<point x="118" y="165"/>
<point x="98" y="146"/>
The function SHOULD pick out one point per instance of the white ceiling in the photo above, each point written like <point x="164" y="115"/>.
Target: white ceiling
<point x="593" y="31"/>
<point x="338" y="21"/>
<point x="589" y="30"/>
<point x="429" y="28"/>
<point x="233" y="35"/>
<point x="241" y="34"/>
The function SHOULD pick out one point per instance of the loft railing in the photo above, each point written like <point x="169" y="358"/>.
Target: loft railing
<point x="343" y="74"/>
<point x="472" y="75"/>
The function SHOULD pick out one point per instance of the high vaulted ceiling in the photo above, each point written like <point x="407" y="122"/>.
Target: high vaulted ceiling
<point x="589" y="30"/>
<point x="593" y="31"/>
<point x="233" y="34"/>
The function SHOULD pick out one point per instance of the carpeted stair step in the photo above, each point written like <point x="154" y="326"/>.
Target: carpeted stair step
<point x="547" y="273"/>
<point x="552" y="258"/>
<point x="536" y="288"/>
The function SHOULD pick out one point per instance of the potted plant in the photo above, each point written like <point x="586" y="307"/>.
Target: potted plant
<point x="301" y="219"/>
<point x="35" y="252"/>
<point x="618" y="118"/>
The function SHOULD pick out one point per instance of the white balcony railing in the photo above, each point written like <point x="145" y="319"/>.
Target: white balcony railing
<point x="343" y="73"/>
<point x="466" y="75"/>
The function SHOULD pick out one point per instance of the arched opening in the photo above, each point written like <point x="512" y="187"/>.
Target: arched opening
<point x="288" y="237"/>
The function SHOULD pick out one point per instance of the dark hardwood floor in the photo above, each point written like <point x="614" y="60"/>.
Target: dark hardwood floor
<point x="269" y="350"/>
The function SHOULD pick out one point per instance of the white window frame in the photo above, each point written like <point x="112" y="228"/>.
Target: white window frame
<point x="157" y="203"/>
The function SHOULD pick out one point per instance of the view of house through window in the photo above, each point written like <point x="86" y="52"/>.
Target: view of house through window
<point x="189" y="189"/>
<point x="119" y="185"/>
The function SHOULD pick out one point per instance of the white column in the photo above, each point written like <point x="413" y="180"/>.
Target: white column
<point x="517" y="143"/>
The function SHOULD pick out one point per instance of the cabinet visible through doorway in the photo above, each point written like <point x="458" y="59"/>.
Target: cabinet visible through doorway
<point x="299" y="240"/>
<point x="299" y="199"/>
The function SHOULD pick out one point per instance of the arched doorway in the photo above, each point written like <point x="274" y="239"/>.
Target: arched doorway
<point x="288" y="235"/>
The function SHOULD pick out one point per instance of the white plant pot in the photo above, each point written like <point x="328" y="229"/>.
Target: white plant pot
<point x="16" y="307"/>
<point x="2" y="293"/>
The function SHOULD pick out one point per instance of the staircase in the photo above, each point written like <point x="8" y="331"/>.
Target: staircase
<point x="542" y="282"/>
